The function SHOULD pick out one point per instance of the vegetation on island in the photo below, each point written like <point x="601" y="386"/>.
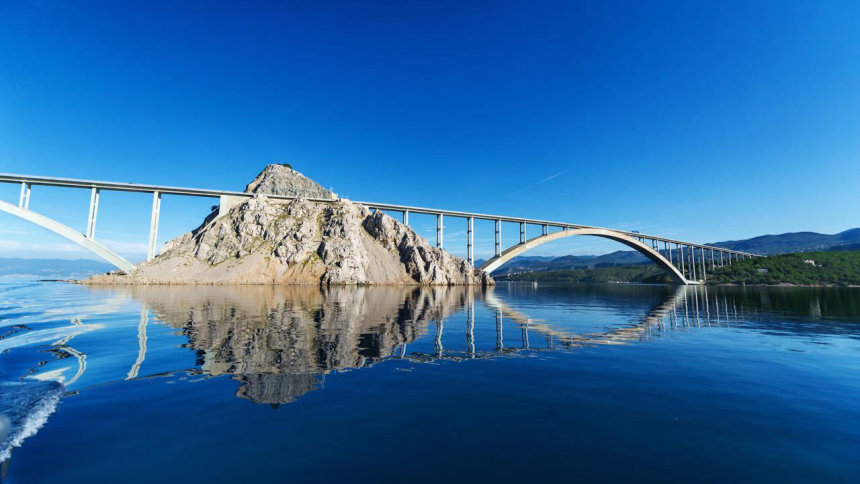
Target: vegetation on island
<point x="639" y="273"/>
<point x="832" y="268"/>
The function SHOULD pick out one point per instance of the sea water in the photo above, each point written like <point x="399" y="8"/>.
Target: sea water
<point x="514" y="383"/>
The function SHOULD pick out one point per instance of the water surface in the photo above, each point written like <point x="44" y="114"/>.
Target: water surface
<point x="223" y="384"/>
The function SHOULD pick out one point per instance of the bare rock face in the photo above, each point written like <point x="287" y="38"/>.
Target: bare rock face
<point x="284" y="181"/>
<point x="265" y="241"/>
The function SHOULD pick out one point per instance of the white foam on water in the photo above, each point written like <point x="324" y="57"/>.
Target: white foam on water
<point x="35" y="420"/>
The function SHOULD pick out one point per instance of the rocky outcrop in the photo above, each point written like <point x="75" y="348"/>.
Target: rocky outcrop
<point x="271" y="241"/>
<point x="282" y="180"/>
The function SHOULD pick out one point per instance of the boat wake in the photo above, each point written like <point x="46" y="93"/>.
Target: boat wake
<point x="24" y="409"/>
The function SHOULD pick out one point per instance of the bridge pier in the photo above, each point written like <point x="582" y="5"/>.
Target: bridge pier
<point x="406" y="217"/>
<point x="439" y="234"/>
<point x="693" y="262"/>
<point x="94" y="211"/>
<point x="522" y="232"/>
<point x="24" y="198"/>
<point x="498" y="238"/>
<point x="470" y="240"/>
<point x="153" y="225"/>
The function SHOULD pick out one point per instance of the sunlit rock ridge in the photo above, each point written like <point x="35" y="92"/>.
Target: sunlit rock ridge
<point x="260" y="240"/>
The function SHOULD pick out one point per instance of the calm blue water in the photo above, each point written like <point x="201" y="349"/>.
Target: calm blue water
<point x="247" y="384"/>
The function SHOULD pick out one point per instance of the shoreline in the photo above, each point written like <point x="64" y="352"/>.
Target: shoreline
<point x="240" y="284"/>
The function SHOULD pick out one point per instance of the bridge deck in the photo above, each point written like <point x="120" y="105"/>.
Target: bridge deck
<point x="200" y="192"/>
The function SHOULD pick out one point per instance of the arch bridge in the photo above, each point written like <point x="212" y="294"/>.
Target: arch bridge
<point x="685" y="262"/>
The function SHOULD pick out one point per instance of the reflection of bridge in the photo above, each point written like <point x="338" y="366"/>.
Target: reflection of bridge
<point x="682" y="309"/>
<point x="685" y="262"/>
<point x="248" y="340"/>
<point x="281" y="342"/>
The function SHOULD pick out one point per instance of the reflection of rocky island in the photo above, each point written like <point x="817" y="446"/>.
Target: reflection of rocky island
<point x="279" y="341"/>
<point x="265" y="240"/>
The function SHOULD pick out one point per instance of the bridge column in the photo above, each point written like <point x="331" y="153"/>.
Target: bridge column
<point x="681" y="258"/>
<point x="439" y="231"/>
<point x="544" y="229"/>
<point x="721" y="259"/>
<point x="693" y="261"/>
<point x="24" y="198"/>
<point x="406" y="217"/>
<point x="470" y="240"/>
<point x="668" y="251"/>
<point x="498" y="238"/>
<point x="702" y="254"/>
<point x="713" y="263"/>
<point x="94" y="211"/>
<point x="153" y="225"/>
<point x="522" y="232"/>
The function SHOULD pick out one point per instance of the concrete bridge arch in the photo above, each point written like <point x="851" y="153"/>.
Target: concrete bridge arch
<point x="69" y="233"/>
<point x="627" y="240"/>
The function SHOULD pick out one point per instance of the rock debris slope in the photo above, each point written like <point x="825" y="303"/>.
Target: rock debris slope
<point x="261" y="240"/>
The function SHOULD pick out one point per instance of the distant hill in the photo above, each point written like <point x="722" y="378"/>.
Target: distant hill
<point x="539" y="264"/>
<point x="640" y="273"/>
<point x="48" y="268"/>
<point x="795" y="242"/>
<point x="765" y="244"/>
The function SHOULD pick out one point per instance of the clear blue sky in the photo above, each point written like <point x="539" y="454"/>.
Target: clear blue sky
<point x="700" y="120"/>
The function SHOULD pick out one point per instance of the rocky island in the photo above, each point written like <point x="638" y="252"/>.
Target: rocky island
<point x="315" y="238"/>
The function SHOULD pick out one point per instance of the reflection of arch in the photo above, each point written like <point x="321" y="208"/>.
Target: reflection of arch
<point x="68" y="233"/>
<point x="644" y="249"/>
<point x="619" y="335"/>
